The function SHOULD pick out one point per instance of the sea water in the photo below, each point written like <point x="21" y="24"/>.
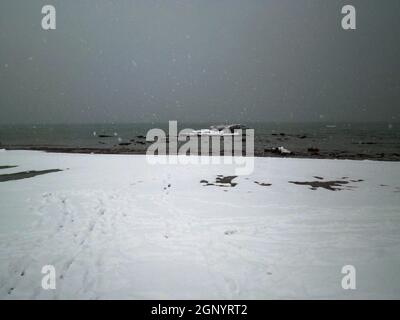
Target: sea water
<point x="324" y="140"/>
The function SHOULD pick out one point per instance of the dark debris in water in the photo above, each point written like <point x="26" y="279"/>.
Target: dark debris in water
<point x="25" y="175"/>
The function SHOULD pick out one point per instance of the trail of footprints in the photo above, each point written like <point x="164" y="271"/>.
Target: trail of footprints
<point x="67" y="235"/>
<point x="72" y="231"/>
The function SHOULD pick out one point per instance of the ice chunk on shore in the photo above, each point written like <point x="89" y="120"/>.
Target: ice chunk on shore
<point x="284" y="150"/>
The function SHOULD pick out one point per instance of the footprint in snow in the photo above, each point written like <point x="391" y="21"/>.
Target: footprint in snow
<point x="230" y="232"/>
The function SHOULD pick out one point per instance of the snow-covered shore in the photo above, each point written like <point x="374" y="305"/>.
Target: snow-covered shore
<point x="115" y="226"/>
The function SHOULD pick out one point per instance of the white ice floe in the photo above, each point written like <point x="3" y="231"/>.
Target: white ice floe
<point x="280" y="150"/>
<point x="283" y="150"/>
<point x="114" y="226"/>
<point x="211" y="132"/>
<point x="219" y="130"/>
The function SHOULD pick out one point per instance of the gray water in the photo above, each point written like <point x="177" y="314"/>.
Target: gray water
<point x="332" y="140"/>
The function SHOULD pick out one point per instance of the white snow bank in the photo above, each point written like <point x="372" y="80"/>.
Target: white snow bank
<point x="116" y="227"/>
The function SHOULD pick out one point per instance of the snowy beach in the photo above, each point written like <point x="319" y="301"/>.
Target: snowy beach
<point x="115" y="226"/>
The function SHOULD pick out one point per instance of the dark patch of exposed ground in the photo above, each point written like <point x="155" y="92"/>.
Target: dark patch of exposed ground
<point x="333" y="185"/>
<point x="25" y="175"/>
<point x="7" y="167"/>
<point x="328" y="185"/>
<point x="263" y="184"/>
<point x="138" y="147"/>
<point x="221" y="181"/>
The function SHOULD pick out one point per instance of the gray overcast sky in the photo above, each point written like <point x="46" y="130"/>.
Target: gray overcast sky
<point x="199" y="60"/>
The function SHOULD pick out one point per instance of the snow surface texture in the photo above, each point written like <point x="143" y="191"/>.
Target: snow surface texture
<point x="115" y="226"/>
